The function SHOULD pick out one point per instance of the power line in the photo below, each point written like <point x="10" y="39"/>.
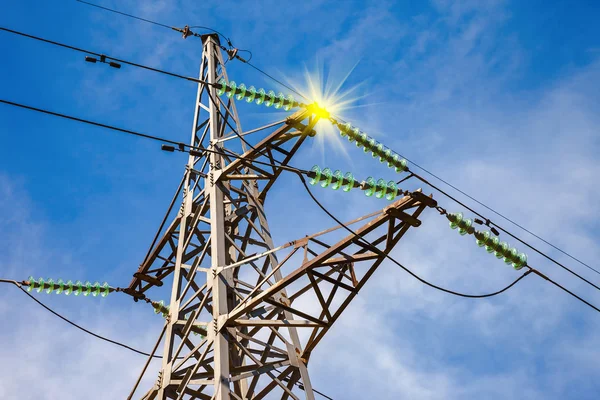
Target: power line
<point x="565" y="289"/>
<point x="180" y="146"/>
<point x="66" y="46"/>
<point x="299" y="172"/>
<point x="275" y="80"/>
<point x="381" y="253"/>
<point x="504" y="217"/>
<point x="17" y="284"/>
<point x="376" y="250"/>
<point x="489" y="208"/>
<point x="507" y="232"/>
<point x="85" y="121"/>
<point x="154" y="22"/>
<point x="300" y="94"/>
<point x="210" y="29"/>
<point x="284" y="167"/>
<point x="125" y="14"/>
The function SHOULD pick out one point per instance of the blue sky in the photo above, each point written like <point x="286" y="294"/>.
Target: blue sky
<point x="499" y="97"/>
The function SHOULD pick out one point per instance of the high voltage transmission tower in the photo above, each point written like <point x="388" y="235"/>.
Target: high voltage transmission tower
<point x="257" y="315"/>
<point x="245" y="316"/>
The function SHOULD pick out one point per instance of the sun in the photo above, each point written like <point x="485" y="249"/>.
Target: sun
<point x="328" y="97"/>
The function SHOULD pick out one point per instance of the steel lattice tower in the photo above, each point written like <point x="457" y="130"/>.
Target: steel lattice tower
<point x="244" y="315"/>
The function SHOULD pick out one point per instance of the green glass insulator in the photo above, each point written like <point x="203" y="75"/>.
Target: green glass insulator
<point x="77" y="288"/>
<point x="401" y="165"/>
<point x="232" y="88"/>
<point x="279" y="101"/>
<point x="270" y="99"/>
<point x="50" y="285"/>
<point x="250" y="94"/>
<point x="31" y="281"/>
<point x="242" y="92"/>
<point x="361" y="137"/>
<point x="466" y="224"/>
<point x="349" y="178"/>
<point x="104" y="290"/>
<point x="501" y="250"/>
<point x="349" y="132"/>
<point x="498" y="254"/>
<point x="523" y="258"/>
<point x="40" y="285"/>
<point x="371" y="145"/>
<point x="317" y="178"/>
<point x="346" y="130"/>
<point x="393" y="160"/>
<point x="289" y="103"/>
<point x="522" y="261"/>
<point x="492" y="245"/>
<point x="364" y="141"/>
<point x="371" y="186"/>
<point x="60" y="286"/>
<point x="327" y="176"/>
<point x="386" y="155"/>
<point x="483" y="238"/>
<point x="336" y="181"/>
<point x="381" y="188"/>
<point x="353" y="134"/>
<point x="260" y="96"/>
<point x="223" y="88"/>
<point x="455" y="220"/>
<point x="88" y="288"/>
<point x="96" y="289"/>
<point x="68" y="287"/>
<point x="392" y="191"/>
<point x="511" y="256"/>
<point x="343" y="131"/>
<point x="378" y="151"/>
<point x="158" y="307"/>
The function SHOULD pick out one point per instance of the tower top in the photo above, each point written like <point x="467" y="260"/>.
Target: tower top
<point x="214" y="36"/>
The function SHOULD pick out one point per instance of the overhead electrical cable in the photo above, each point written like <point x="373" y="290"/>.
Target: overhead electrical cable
<point x="17" y="284"/>
<point x="384" y="153"/>
<point x="504" y="217"/>
<point x="376" y="250"/>
<point x="425" y="181"/>
<point x="154" y="22"/>
<point x="412" y="162"/>
<point x="85" y="121"/>
<point x="292" y="169"/>
<point x="183" y="147"/>
<point x="381" y="253"/>
<point x="300" y="173"/>
<point x="125" y="14"/>
<point x="207" y="28"/>
<point x="66" y="46"/>
<point x="179" y="145"/>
